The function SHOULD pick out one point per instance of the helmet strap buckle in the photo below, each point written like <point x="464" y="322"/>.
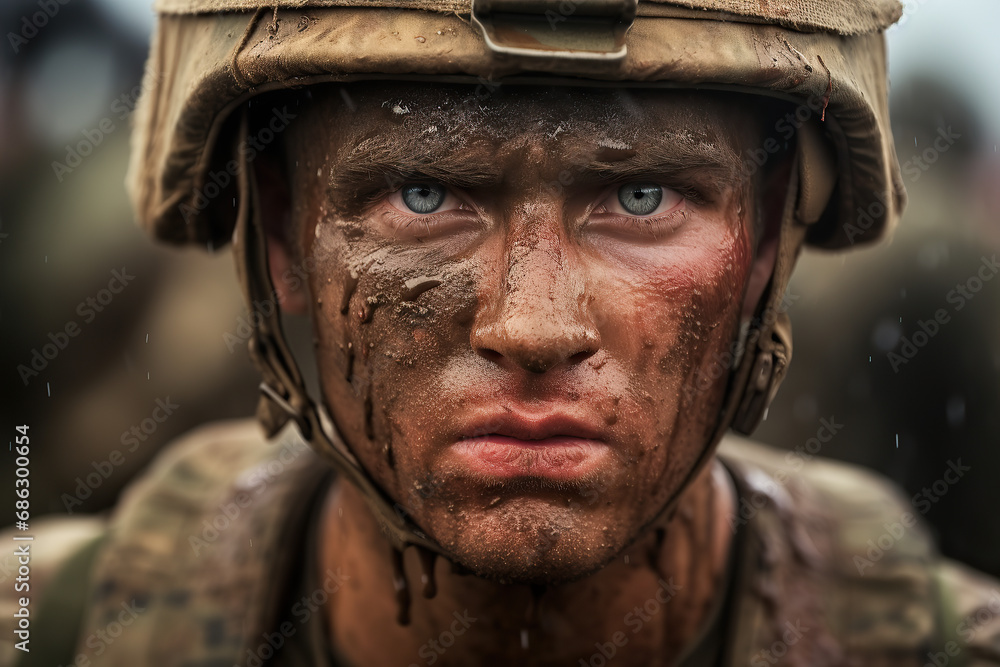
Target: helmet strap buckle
<point x="556" y="35"/>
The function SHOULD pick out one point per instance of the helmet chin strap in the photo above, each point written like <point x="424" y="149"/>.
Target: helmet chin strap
<point x="766" y="345"/>
<point x="284" y="396"/>
<point x="763" y="350"/>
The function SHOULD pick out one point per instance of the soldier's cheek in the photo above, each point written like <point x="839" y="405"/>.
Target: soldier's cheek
<point x="417" y="325"/>
<point x="674" y="330"/>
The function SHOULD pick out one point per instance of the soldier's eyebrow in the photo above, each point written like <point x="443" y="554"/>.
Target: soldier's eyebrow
<point x="713" y="163"/>
<point x="383" y="163"/>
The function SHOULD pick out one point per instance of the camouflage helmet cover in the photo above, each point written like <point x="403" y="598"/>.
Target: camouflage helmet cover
<point x="826" y="56"/>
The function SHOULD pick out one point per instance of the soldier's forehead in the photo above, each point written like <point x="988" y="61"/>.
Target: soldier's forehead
<point x="382" y="127"/>
<point x="439" y="110"/>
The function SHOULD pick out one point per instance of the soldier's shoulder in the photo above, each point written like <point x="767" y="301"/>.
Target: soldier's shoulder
<point x="884" y="582"/>
<point x="218" y="462"/>
<point x="830" y="475"/>
<point x="200" y="451"/>
<point x="845" y="493"/>
<point x="864" y="522"/>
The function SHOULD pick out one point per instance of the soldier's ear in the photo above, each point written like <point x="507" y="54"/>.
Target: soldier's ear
<point x="288" y="279"/>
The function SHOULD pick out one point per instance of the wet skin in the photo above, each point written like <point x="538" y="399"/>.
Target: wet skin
<point x="514" y="367"/>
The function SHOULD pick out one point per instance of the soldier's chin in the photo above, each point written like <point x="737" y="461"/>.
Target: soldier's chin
<point x="511" y="556"/>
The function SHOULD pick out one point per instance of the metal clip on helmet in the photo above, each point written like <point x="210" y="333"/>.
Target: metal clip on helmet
<point x="825" y="57"/>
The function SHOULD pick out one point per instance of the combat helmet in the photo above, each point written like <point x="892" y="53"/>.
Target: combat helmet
<point x="190" y="182"/>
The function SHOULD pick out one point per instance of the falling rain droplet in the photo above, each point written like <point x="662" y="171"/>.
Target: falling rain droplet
<point x="897" y="441"/>
<point x="524" y="638"/>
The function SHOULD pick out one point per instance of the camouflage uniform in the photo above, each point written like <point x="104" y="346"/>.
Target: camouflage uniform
<point x="202" y="564"/>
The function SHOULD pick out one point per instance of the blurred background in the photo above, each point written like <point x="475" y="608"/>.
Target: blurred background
<point x="100" y="328"/>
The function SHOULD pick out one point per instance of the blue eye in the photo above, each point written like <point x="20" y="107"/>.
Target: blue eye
<point x="640" y="198"/>
<point x="423" y="197"/>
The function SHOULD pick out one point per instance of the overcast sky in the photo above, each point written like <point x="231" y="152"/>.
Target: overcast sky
<point x="957" y="40"/>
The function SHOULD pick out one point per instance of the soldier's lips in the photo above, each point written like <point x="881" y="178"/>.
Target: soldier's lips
<point x="558" y="458"/>
<point x="507" y="442"/>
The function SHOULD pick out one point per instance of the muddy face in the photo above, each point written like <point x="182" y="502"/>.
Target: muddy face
<point x="516" y="301"/>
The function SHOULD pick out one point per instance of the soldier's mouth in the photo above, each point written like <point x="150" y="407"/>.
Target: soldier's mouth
<point x="559" y="458"/>
<point x="557" y="446"/>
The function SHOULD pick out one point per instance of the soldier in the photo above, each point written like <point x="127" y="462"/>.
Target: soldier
<point x="543" y="247"/>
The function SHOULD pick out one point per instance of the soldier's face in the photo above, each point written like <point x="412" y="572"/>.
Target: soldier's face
<point x="523" y="304"/>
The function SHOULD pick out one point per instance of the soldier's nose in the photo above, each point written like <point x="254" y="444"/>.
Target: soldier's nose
<point x="538" y="316"/>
